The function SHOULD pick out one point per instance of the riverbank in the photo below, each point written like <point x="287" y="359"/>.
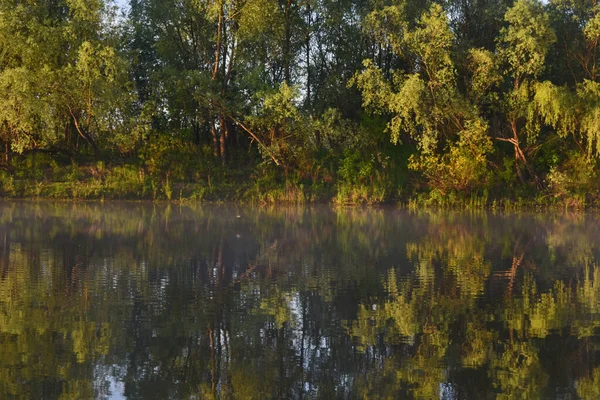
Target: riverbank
<point x="37" y="178"/>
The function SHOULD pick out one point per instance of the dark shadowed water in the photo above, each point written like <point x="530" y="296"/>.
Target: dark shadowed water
<point x="141" y="301"/>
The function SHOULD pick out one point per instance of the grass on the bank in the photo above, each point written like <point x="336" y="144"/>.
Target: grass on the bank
<point x="39" y="176"/>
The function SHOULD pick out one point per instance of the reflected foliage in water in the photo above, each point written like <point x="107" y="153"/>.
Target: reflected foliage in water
<point x="144" y="301"/>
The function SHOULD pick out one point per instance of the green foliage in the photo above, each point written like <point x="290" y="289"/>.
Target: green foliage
<point x="463" y="167"/>
<point x="61" y="77"/>
<point x="418" y="102"/>
<point x="165" y="156"/>
<point x="363" y="180"/>
<point x="527" y="39"/>
<point x="428" y="107"/>
<point x="125" y="182"/>
<point x="575" y="177"/>
<point x="589" y="92"/>
<point x="283" y="130"/>
<point x="486" y="76"/>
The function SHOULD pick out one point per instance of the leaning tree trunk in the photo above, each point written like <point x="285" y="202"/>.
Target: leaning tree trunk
<point x="521" y="158"/>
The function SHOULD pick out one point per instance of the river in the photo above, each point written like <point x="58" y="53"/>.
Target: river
<point x="153" y="301"/>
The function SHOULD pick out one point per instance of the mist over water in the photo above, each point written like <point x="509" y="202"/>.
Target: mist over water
<point x="135" y="300"/>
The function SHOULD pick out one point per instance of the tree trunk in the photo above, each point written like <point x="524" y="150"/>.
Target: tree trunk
<point x="85" y="135"/>
<point x="223" y="138"/>
<point x="308" y="11"/>
<point x="215" y="74"/>
<point x="196" y="130"/>
<point x="215" y="139"/>
<point x="518" y="167"/>
<point x="520" y="157"/>
<point x="287" y="42"/>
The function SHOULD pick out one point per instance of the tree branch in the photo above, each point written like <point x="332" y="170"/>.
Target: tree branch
<point x="255" y="138"/>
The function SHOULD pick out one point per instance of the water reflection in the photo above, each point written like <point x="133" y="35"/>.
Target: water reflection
<point x="130" y="300"/>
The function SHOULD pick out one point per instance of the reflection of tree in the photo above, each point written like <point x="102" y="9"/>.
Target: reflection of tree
<point x="589" y="387"/>
<point x="516" y="371"/>
<point x="186" y="302"/>
<point x="48" y="334"/>
<point x="432" y="314"/>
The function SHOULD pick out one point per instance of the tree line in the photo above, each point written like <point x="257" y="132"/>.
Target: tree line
<point x="356" y="100"/>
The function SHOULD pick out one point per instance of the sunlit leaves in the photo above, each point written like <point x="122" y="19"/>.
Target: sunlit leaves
<point x="527" y="39"/>
<point x="21" y="111"/>
<point x="486" y="75"/>
<point x="388" y="24"/>
<point x="571" y="112"/>
<point x="427" y="106"/>
<point x="63" y="75"/>
<point x="557" y="107"/>
<point x="463" y="166"/>
<point x="260" y="19"/>
<point x="592" y="28"/>
<point x="589" y="91"/>
<point x="431" y="41"/>
<point x="375" y="88"/>
<point x="279" y="126"/>
<point x="411" y="112"/>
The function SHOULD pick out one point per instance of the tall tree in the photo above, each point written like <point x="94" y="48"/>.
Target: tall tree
<point x="426" y="105"/>
<point x="212" y="57"/>
<point x="522" y="47"/>
<point x="60" y="75"/>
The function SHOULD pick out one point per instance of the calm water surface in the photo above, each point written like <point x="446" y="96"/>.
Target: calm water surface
<point x="141" y="301"/>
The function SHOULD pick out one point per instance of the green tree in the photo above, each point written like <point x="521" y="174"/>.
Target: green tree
<point x="522" y="47"/>
<point x="61" y="77"/>
<point x="451" y="138"/>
